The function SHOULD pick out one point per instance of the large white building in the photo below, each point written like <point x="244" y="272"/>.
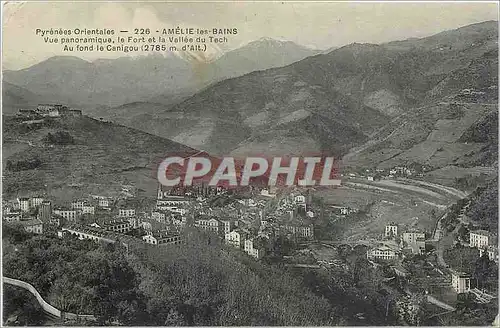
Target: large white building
<point x="480" y="239"/>
<point x="162" y="239"/>
<point x="68" y="214"/>
<point x="381" y="252"/>
<point x="227" y="226"/>
<point x="36" y="201"/>
<point x="492" y="252"/>
<point x="88" y="209"/>
<point x="24" y="204"/>
<point x="413" y="236"/>
<point x="103" y="201"/>
<point x="91" y="233"/>
<point x="77" y="204"/>
<point x="391" y="230"/>
<point x="159" y="216"/>
<point x="169" y="202"/>
<point x="255" y="247"/>
<point x="299" y="230"/>
<point x="460" y="282"/>
<point x="235" y="238"/>
<point x="213" y="225"/>
<point x="118" y="226"/>
<point x="126" y="212"/>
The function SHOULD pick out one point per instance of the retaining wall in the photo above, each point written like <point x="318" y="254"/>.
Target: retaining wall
<point x="46" y="306"/>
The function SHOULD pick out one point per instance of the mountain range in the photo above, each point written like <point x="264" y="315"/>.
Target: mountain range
<point x="357" y="95"/>
<point x="112" y="82"/>
<point x="426" y="101"/>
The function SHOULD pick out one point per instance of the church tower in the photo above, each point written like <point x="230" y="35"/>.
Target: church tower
<point x="160" y="192"/>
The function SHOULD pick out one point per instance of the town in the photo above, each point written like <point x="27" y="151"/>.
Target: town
<point x="265" y="171"/>
<point x="284" y="225"/>
<point x="250" y="220"/>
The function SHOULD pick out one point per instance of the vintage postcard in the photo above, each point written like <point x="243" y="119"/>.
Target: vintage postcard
<point x="249" y="163"/>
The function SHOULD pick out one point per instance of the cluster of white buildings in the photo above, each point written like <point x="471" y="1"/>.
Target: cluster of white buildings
<point x="50" y="110"/>
<point x="114" y="232"/>
<point x="485" y="241"/>
<point x="414" y="241"/>
<point x="242" y="224"/>
<point x="246" y="240"/>
<point x="411" y="241"/>
<point x="246" y="225"/>
<point x="23" y="211"/>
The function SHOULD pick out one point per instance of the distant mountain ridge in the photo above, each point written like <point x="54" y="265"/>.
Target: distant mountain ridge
<point x="112" y="82"/>
<point x="17" y="97"/>
<point x="331" y="102"/>
<point x="381" y="104"/>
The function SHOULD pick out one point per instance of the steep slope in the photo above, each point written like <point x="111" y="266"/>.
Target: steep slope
<point x="273" y="111"/>
<point x="395" y="76"/>
<point x="102" y="156"/>
<point x="454" y="125"/>
<point x="15" y="97"/>
<point x="330" y="102"/>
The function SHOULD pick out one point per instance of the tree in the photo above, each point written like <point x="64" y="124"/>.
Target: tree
<point x="59" y="138"/>
<point x="23" y="165"/>
<point x="22" y="305"/>
<point x="14" y="233"/>
<point x="486" y="273"/>
<point x="462" y="259"/>
<point x="410" y="309"/>
<point x="174" y="319"/>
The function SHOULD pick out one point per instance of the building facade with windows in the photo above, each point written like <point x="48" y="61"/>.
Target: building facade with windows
<point x="460" y="282"/>
<point x="213" y="225"/>
<point x="120" y="226"/>
<point x="413" y="236"/>
<point x="382" y="253"/>
<point x="391" y="230"/>
<point x="24" y="204"/>
<point x="68" y="214"/>
<point x="480" y="238"/>
<point x="162" y="239"/>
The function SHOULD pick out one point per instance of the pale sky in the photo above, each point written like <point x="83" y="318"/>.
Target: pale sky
<point x="315" y="24"/>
